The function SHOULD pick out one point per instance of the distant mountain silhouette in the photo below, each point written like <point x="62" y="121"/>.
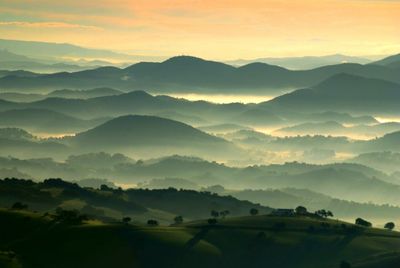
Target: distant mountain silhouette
<point x="391" y="61"/>
<point x="7" y="56"/>
<point x="304" y="63"/>
<point x="19" y="143"/>
<point x="84" y="94"/>
<point x="136" y="102"/>
<point x="386" y="161"/>
<point x="389" y="142"/>
<point x="57" y="51"/>
<point x="319" y="128"/>
<point x="343" y="118"/>
<point x="334" y="128"/>
<point x="135" y="132"/>
<point x="344" y="93"/>
<point x="190" y="74"/>
<point x="21" y="73"/>
<point x="258" y="117"/>
<point x="61" y="93"/>
<point x="43" y="120"/>
<point x="12" y="61"/>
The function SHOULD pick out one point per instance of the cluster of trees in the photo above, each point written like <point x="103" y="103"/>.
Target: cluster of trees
<point x="69" y="216"/>
<point x="222" y="214"/>
<point x="324" y="213"/>
<point x="300" y="210"/>
<point x="215" y="214"/>
<point x="359" y="221"/>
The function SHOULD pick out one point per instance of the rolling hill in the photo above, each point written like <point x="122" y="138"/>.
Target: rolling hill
<point x="135" y="132"/>
<point x="255" y="241"/>
<point x="45" y="121"/>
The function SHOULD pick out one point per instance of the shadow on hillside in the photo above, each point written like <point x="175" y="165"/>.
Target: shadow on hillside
<point x="196" y="238"/>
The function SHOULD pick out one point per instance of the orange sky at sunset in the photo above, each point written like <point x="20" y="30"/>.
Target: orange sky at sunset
<point x="213" y="29"/>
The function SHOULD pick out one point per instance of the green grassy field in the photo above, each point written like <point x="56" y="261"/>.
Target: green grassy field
<point x="253" y="241"/>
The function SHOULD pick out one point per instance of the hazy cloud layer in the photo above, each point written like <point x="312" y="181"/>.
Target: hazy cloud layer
<point x="216" y="29"/>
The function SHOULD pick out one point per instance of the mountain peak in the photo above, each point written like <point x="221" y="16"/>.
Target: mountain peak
<point x="183" y="59"/>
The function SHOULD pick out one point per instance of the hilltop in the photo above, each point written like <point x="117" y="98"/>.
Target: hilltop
<point x="135" y="132"/>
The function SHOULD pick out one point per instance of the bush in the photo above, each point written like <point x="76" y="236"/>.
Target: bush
<point x="253" y="211"/>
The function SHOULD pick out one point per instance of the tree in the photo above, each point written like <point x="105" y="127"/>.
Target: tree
<point x="178" y="219"/>
<point x="324" y="213"/>
<point x="152" y="222"/>
<point x="126" y="220"/>
<point x="301" y="210"/>
<point x="104" y="187"/>
<point x="390" y="226"/>
<point x="363" y="222"/>
<point x="253" y="211"/>
<point x="19" y="206"/>
<point x="69" y="216"/>
<point x="214" y="213"/>
<point x="224" y="213"/>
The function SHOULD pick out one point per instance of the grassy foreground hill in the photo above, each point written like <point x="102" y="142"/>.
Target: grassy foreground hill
<point x="33" y="240"/>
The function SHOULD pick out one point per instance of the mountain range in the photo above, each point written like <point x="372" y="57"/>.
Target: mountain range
<point x="304" y="63"/>
<point x="190" y="74"/>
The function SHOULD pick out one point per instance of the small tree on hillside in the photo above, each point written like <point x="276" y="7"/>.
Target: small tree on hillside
<point x="390" y="226"/>
<point x="253" y="211"/>
<point x="126" y="220"/>
<point x="363" y="222"/>
<point x="224" y="213"/>
<point x="301" y="210"/>
<point x="178" y="219"/>
<point x="214" y="213"/>
<point x="324" y="213"/>
<point x="104" y="187"/>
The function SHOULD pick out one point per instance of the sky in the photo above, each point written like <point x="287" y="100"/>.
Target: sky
<point x="216" y="29"/>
